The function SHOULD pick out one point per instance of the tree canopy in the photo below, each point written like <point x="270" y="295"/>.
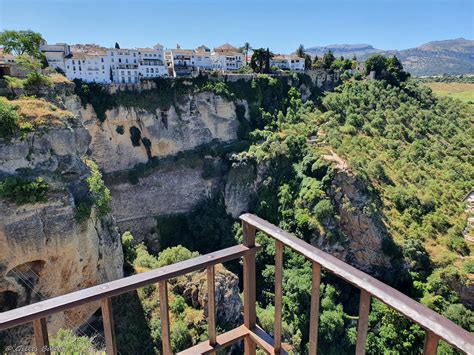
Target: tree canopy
<point x="260" y="61"/>
<point x="21" y="42"/>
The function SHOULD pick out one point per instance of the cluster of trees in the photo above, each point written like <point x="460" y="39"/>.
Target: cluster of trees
<point x="386" y="68"/>
<point x="25" y="45"/>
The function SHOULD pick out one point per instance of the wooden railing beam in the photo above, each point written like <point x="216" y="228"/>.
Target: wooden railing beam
<point x="164" y="317"/>
<point x="54" y="305"/>
<point x="109" y="326"/>
<point x="41" y="336"/>
<point x="314" y="314"/>
<point x="278" y="293"/>
<point x="431" y="343"/>
<point x="363" y="322"/>
<point x="250" y="315"/>
<point x="211" y="305"/>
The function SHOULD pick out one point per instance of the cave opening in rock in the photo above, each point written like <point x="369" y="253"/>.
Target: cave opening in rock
<point x="8" y="300"/>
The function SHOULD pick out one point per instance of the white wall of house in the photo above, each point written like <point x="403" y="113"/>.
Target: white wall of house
<point x="151" y="63"/>
<point x="89" y="68"/>
<point x="228" y="61"/>
<point x="55" y="54"/>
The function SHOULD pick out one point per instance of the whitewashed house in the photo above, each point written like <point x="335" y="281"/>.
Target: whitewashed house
<point x="151" y="62"/>
<point x="202" y="58"/>
<point x="56" y="54"/>
<point x="89" y="63"/>
<point x="227" y="58"/>
<point x="288" y="62"/>
<point x="124" y="65"/>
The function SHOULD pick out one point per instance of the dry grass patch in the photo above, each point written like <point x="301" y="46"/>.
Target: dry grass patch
<point x="59" y="79"/>
<point x="39" y="112"/>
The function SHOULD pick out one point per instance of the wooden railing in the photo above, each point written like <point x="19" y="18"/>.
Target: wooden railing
<point x="436" y="326"/>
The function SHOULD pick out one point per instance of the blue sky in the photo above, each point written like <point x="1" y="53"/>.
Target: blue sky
<point x="280" y="25"/>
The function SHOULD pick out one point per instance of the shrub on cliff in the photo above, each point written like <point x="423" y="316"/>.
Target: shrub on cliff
<point x="99" y="193"/>
<point x="8" y="119"/>
<point x="66" y="342"/>
<point x="23" y="191"/>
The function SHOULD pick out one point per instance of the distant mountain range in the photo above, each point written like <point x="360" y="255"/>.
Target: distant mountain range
<point x="454" y="56"/>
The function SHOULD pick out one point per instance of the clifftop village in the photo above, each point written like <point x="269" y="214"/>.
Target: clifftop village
<point x="93" y="63"/>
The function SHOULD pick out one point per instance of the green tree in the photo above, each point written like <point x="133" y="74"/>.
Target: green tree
<point x="376" y="63"/>
<point x="246" y="48"/>
<point x="260" y="61"/>
<point x="117" y="46"/>
<point x="328" y="59"/>
<point x="21" y="42"/>
<point x="100" y="194"/>
<point x="307" y="62"/>
<point x="300" y="52"/>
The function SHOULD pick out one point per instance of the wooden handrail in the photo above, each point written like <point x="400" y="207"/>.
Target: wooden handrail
<point x="48" y="307"/>
<point x="437" y="327"/>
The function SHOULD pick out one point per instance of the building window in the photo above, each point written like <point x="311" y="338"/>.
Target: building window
<point x="126" y="60"/>
<point x="120" y="60"/>
<point x="73" y="62"/>
<point x="102" y="60"/>
<point x="74" y="68"/>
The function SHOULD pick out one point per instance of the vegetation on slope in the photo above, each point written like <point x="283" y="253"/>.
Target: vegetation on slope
<point x="414" y="152"/>
<point x="26" y="114"/>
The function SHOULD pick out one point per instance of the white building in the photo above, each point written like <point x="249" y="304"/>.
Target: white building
<point x="151" y="62"/>
<point x="124" y="65"/>
<point x="202" y="58"/>
<point x="227" y="58"/>
<point x="55" y="54"/>
<point x="288" y="62"/>
<point x="88" y="63"/>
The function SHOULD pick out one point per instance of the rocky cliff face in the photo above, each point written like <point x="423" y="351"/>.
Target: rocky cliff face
<point x="172" y="187"/>
<point x="365" y="234"/>
<point x="129" y="136"/>
<point x="45" y="252"/>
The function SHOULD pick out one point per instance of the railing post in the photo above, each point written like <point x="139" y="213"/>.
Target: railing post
<point x="164" y="316"/>
<point x="278" y="293"/>
<point x="250" y="317"/>
<point x="431" y="343"/>
<point x="211" y="305"/>
<point x="314" y="315"/>
<point x="41" y="336"/>
<point x="363" y="322"/>
<point x="108" y="321"/>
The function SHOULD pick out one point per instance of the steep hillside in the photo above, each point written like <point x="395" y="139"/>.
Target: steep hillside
<point x="376" y="177"/>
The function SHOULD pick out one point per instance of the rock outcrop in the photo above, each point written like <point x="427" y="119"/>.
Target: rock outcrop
<point x="365" y="236"/>
<point x="45" y="252"/>
<point x="229" y="305"/>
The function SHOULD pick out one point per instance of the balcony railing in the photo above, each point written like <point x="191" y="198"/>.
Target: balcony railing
<point x="436" y="326"/>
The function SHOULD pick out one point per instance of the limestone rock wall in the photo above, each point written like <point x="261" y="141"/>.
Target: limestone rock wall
<point x="172" y="187"/>
<point x="44" y="251"/>
<point x="198" y="119"/>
